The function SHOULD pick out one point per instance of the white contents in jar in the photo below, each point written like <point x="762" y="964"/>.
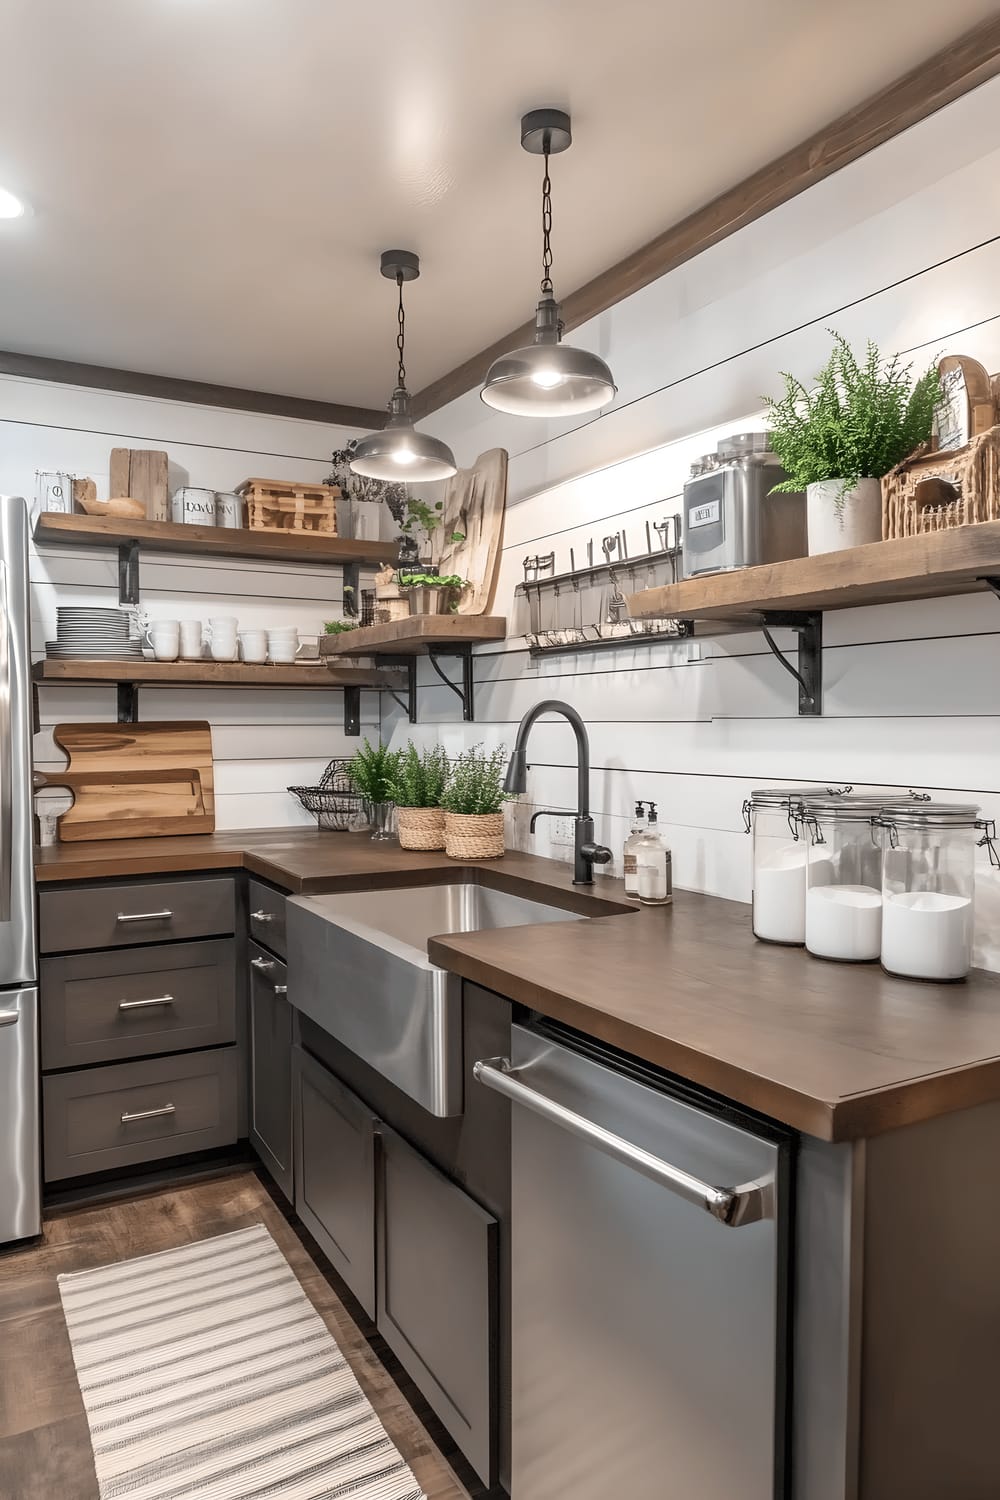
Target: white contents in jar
<point x="927" y="935"/>
<point x="779" y="890"/>
<point x="844" y="921"/>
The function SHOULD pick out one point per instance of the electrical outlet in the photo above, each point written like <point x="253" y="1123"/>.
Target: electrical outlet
<point x="562" y="831"/>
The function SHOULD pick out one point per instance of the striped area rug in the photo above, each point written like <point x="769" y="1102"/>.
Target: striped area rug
<point x="206" y="1373"/>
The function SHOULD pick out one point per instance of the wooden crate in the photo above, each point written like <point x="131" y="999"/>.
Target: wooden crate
<point x="285" y="505"/>
<point x="967" y="489"/>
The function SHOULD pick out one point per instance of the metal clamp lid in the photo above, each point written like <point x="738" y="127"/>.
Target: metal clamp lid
<point x="788" y="799"/>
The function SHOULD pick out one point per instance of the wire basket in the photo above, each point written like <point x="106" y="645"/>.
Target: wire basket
<point x="336" y="805"/>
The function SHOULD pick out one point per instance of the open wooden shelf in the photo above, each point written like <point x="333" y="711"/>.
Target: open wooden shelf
<point x="214" y="674"/>
<point x="416" y="635"/>
<point x="217" y="541"/>
<point x="916" y="567"/>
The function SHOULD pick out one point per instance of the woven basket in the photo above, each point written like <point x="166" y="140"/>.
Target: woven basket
<point x="473" y="835"/>
<point x="420" y="827"/>
<point x="911" y="508"/>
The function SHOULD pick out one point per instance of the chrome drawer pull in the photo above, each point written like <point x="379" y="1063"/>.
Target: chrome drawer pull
<point x="262" y="916"/>
<point x="148" y="1114"/>
<point x="9" y="1017"/>
<point x="144" y="916"/>
<point x="145" y="1004"/>
<point x="281" y="989"/>
<point x="263" y="965"/>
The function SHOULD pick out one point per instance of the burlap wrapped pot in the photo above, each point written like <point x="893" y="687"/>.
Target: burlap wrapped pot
<point x="473" y="835"/>
<point x="420" y="827"/>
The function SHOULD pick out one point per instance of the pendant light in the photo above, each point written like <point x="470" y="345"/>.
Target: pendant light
<point x="547" y="378"/>
<point x="399" y="452"/>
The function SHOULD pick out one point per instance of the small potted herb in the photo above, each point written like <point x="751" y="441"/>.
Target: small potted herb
<point x="372" y="772"/>
<point x="430" y="593"/>
<point x="417" y="788"/>
<point x="838" y="439"/>
<point x="338" y="627"/>
<point x="473" y="803"/>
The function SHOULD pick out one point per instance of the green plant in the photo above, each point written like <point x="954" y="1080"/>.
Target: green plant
<point x="476" y="782"/>
<point x="338" y="627"/>
<point x="408" y="580"/>
<point x="419" y="516"/>
<point x="359" y="486"/>
<point x="373" y="771"/>
<point x="420" y="777"/>
<point x="861" y="419"/>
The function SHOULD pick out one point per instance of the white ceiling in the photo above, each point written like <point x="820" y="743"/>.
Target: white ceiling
<point x="212" y="180"/>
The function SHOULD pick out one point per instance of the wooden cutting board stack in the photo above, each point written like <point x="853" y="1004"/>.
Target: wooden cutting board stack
<point x="135" y="780"/>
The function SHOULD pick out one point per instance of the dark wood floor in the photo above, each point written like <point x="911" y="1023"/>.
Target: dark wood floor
<point x="44" y="1440"/>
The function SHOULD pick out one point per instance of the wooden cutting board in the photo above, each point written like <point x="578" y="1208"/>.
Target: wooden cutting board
<point x="474" y="507"/>
<point x="141" y="473"/>
<point x="135" y="780"/>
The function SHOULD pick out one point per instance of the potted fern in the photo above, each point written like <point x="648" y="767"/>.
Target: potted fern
<point x="835" y="441"/>
<point x="418" y="785"/>
<point x="473" y="803"/>
<point x="373" y="772"/>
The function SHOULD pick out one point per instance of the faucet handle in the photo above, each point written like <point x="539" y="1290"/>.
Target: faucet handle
<point x="598" y="854"/>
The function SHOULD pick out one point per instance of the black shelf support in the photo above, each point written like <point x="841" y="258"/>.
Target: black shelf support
<point x="128" y="573"/>
<point x="409" y="703"/>
<point x="352" y="590"/>
<point x="352" y="710"/>
<point x="464" y="652"/>
<point x="808" y="626"/>
<point x="128" y="703"/>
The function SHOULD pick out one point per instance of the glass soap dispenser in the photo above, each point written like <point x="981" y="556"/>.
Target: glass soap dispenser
<point x="631" y="868"/>
<point x="653" y="858"/>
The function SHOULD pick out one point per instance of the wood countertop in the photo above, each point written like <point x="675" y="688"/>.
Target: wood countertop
<point x="836" y="1051"/>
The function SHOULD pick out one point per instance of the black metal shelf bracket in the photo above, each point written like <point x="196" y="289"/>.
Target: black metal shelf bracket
<point x="808" y="626"/>
<point x="352" y="590"/>
<point x="128" y="703"/>
<point x="409" y="703"/>
<point x="352" y="711"/>
<point x="466" y="692"/>
<point x="128" y="573"/>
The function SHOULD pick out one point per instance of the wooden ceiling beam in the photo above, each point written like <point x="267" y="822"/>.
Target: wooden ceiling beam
<point x="955" y="70"/>
<point x="169" y="388"/>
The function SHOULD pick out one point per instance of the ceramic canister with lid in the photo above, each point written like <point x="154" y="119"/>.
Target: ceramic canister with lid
<point x="780" y="854"/>
<point x="928" y="887"/>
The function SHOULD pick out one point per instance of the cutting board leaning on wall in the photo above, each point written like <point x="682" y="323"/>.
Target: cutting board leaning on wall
<point x="474" y="504"/>
<point x="135" y="780"/>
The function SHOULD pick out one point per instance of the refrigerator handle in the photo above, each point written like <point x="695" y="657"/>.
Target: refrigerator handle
<point x="6" y="752"/>
<point x="732" y="1206"/>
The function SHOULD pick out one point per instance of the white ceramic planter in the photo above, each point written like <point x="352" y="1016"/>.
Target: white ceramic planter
<point x="854" y="521"/>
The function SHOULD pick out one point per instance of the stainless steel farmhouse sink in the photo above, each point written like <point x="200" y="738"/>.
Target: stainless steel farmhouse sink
<point x="358" y="967"/>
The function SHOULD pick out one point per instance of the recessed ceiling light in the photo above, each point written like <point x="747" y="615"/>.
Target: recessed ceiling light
<point x="11" y="207"/>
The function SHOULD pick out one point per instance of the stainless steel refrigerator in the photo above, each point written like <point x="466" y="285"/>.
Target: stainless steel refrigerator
<point x="20" y="1156"/>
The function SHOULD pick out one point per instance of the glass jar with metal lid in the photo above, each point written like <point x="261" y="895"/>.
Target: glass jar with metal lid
<point x="844" y="877"/>
<point x="780" y="854"/>
<point x="928" y="887"/>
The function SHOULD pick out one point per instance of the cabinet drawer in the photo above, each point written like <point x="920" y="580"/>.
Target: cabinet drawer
<point x="111" y="916"/>
<point x="267" y="917"/>
<point x="335" y="1173"/>
<point x="437" y="1295"/>
<point x="135" y="1112"/>
<point x="99" y="1007"/>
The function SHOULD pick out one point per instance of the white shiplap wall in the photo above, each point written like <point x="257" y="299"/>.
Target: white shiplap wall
<point x="263" y="740"/>
<point x="903" y="247"/>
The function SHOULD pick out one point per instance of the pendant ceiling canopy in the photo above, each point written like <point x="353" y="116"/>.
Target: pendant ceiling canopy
<point x="399" y="452"/>
<point x="547" y="378"/>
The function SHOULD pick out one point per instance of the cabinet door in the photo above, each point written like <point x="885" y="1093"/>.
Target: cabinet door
<point x="271" y="1067"/>
<point x="437" y="1294"/>
<point x="335" y="1173"/>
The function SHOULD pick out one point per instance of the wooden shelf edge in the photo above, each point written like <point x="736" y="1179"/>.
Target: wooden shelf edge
<point x="53" y="528"/>
<point x="917" y="567"/>
<point x="416" y="634"/>
<point x="212" y="674"/>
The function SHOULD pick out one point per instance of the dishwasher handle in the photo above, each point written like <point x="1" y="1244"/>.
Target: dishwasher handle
<point x="731" y="1206"/>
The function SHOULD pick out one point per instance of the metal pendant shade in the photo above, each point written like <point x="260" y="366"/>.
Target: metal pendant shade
<point x="399" y="452"/>
<point x="547" y="378"/>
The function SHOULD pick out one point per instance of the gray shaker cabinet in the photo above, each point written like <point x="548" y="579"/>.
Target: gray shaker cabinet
<point x="335" y="1173"/>
<point x="437" y="1302"/>
<point x="271" y="1066"/>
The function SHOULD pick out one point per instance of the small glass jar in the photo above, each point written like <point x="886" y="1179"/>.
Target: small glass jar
<point x="844" y="877"/>
<point x="928" y="887"/>
<point x="380" y="817"/>
<point x="780" y="854"/>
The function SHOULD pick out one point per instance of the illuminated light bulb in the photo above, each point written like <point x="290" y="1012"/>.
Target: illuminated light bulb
<point x="11" y="207"/>
<point x="547" y="379"/>
<point x="403" y="456"/>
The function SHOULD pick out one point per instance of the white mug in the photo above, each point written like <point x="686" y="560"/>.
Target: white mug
<point x="253" y="645"/>
<point x="174" y="626"/>
<point x="282" y="648"/>
<point x="165" y="645"/>
<point x="223" y="623"/>
<point x="191" y="641"/>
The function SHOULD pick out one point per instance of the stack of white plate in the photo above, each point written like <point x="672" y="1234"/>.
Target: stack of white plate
<point x="94" y="635"/>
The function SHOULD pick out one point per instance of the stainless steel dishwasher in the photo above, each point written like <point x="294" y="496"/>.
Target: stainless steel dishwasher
<point x="649" y="1231"/>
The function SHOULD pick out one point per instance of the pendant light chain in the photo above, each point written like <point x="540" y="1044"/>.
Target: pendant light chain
<point x="546" y="231"/>
<point x="401" y="335"/>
